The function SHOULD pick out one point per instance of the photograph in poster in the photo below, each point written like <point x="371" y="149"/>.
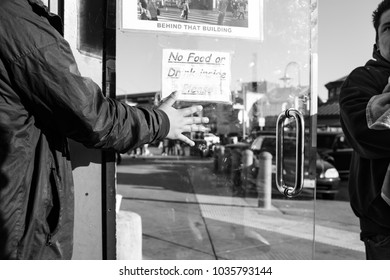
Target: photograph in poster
<point x="225" y="18"/>
<point x="197" y="75"/>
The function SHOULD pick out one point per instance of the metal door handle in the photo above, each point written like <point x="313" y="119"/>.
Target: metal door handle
<point x="290" y="191"/>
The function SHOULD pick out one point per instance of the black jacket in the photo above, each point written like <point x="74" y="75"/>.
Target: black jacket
<point x="44" y="101"/>
<point x="371" y="155"/>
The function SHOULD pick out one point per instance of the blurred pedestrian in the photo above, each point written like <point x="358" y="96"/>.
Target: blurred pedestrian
<point x="165" y="147"/>
<point x="185" y="9"/>
<point x="171" y="147"/>
<point x="222" y="6"/>
<point x="152" y="8"/>
<point x="178" y="148"/>
<point x="143" y="8"/>
<point x="241" y="10"/>
<point x="234" y="5"/>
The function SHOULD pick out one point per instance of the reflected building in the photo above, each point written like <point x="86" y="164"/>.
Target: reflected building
<point x="329" y="111"/>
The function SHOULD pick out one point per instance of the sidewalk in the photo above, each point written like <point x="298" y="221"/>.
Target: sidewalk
<point x="188" y="212"/>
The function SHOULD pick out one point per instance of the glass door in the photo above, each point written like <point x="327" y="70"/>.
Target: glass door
<point x="251" y="64"/>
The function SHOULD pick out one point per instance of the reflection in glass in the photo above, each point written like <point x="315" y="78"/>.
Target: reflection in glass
<point x="209" y="201"/>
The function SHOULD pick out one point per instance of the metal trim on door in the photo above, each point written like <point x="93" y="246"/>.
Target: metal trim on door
<point x="290" y="191"/>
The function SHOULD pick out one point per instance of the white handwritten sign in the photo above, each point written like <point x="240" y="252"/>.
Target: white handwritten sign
<point x="196" y="75"/>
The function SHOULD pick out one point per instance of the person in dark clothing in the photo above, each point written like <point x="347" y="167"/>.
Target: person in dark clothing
<point x="371" y="156"/>
<point x="185" y="9"/>
<point x="144" y="12"/>
<point x="152" y="8"/>
<point x="222" y="6"/>
<point x="44" y="101"/>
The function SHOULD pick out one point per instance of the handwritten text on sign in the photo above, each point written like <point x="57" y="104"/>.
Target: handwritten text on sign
<point x="196" y="75"/>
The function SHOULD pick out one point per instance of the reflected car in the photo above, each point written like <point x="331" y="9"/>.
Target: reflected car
<point x="201" y="148"/>
<point x="209" y="141"/>
<point x="334" y="148"/>
<point x="211" y="138"/>
<point x="327" y="176"/>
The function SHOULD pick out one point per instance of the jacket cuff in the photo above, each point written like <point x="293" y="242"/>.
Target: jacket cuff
<point x="164" y="125"/>
<point x="368" y="112"/>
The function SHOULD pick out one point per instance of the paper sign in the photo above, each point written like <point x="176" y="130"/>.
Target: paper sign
<point x="196" y="75"/>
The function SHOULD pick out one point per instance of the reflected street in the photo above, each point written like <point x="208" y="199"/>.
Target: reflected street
<point x="189" y="212"/>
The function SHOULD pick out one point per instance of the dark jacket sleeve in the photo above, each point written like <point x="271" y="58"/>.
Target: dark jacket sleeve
<point x="63" y="100"/>
<point x="357" y="90"/>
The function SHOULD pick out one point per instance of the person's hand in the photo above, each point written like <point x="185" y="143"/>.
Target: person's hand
<point x="387" y="87"/>
<point x="181" y="120"/>
<point x="378" y="110"/>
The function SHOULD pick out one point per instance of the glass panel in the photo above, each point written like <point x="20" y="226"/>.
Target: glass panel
<point x="218" y="200"/>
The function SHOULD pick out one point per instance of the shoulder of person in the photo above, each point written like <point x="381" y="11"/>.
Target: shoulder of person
<point x="365" y="79"/>
<point x="19" y="23"/>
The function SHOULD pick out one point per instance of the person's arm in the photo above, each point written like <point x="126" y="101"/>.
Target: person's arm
<point x="64" y="101"/>
<point x="378" y="110"/>
<point x="358" y="89"/>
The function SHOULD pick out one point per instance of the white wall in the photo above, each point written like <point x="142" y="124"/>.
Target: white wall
<point x="87" y="176"/>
